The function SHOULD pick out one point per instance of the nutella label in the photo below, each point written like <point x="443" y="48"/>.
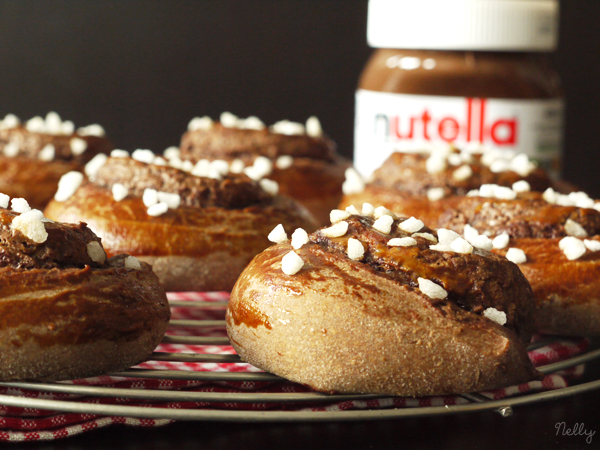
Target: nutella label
<point x="386" y="122"/>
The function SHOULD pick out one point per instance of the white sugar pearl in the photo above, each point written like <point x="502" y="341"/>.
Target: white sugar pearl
<point x="299" y="238"/>
<point x="201" y="169"/>
<point x="95" y="164"/>
<point x="446" y="236"/>
<point x="220" y="166"/>
<point x="572" y="228"/>
<point x="200" y="123"/>
<point x="67" y="127"/>
<point x="411" y="225"/>
<point x="4" y="199"/>
<point x="68" y="184"/>
<point x="96" y="252"/>
<point x="470" y="233"/>
<point x="572" y="247"/>
<point x="78" y="146"/>
<point x="11" y="121"/>
<point x="313" y="127"/>
<point x="229" y="120"/>
<point x="47" y="153"/>
<point x="271" y="187"/>
<point x="173" y="201"/>
<point x="251" y="123"/>
<point x="550" y="195"/>
<point x="384" y="224"/>
<point x="237" y="166"/>
<point x="150" y="197"/>
<point x="172" y="152"/>
<point x="92" y="130"/>
<point x="291" y="263"/>
<point x="402" y="242"/>
<point x="516" y="255"/>
<point x="142" y="155"/>
<point x="337" y="230"/>
<point x="288" y="128"/>
<point x="381" y="211"/>
<point x="462" y="173"/>
<point x="504" y="193"/>
<point x="435" y="194"/>
<point x="482" y="242"/>
<point x="36" y="125"/>
<point x="337" y="215"/>
<point x="501" y="241"/>
<point x="460" y="245"/>
<point x="356" y="251"/>
<point x="591" y="245"/>
<point x="368" y="209"/>
<point x="284" y="162"/>
<point x="131" y="262"/>
<point x="352" y="210"/>
<point x="278" y="235"/>
<point x="353" y="183"/>
<point x="521" y="186"/>
<point x="263" y="166"/>
<point x="53" y="122"/>
<point x="11" y="149"/>
<point x="20" y="205"/>
<point x="496" y="316"/>
<point x="431" y="289"/>
<point x="158" y="209"/>
<point x="119" y="192"/>
<point x="435" y="164"/>
<point x="118" y="153"/>
<point x="428" y="236"/>
<point x="31" y="225"/>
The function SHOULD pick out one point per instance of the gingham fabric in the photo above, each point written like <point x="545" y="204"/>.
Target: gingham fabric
<point x="26" y="424"/>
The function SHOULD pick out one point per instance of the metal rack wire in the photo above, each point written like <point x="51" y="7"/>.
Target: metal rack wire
<point x="477" y="402"/>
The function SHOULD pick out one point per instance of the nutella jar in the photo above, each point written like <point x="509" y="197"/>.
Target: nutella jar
<point x="474" y="73"/>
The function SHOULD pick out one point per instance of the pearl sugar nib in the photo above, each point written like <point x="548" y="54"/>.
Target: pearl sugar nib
<point x="431" y="289"/>
<point x="356" y="250"/>
<point x="497" y="316"/>
<point x="291" y="263"/>
<point x="299" y="238"/>
<point x="278" y="235"/>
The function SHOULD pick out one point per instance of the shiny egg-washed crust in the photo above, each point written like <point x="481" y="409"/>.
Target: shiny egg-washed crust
<point x="346" y="326"/>
<point x="64" y="316"/>
<point x="567" y="293"/>
<point x="314" y="179"/>
<point x="407" y="173"/>
<point x="26" y="176"/>
<point x="190" y="248"/>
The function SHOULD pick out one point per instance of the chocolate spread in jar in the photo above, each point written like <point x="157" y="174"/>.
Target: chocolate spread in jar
<point x="456" y="75"/>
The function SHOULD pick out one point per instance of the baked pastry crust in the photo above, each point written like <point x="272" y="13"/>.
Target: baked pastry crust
<point x="202" y="245"/>
<point x="567" y="293"/>
<point x="347" y="326"/>
<point x="65" y="316"/>
<point x="314" y="178"/>
<point x="27" y="176"/>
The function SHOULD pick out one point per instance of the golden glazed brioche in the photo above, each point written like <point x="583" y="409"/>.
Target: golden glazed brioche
<point x="197" y="232"/>
<point x="558" y="250"/>
<point x="34" y="156"/>
<point x="301" y="159"/>
<point x="66" y="310"/>
<point x="414" y="183"/>
<point x="383" y="306"/>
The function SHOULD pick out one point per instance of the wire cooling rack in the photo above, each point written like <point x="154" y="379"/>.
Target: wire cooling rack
<point x="476" y="402"/>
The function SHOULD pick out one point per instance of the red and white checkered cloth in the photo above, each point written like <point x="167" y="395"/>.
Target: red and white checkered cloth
<point x="27" y="424"/>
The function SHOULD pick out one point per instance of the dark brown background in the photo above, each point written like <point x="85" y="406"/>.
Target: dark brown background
<point x="143" y="69"/>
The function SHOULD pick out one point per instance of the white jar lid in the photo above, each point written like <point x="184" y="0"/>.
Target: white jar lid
<point x="499" y="25"/>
